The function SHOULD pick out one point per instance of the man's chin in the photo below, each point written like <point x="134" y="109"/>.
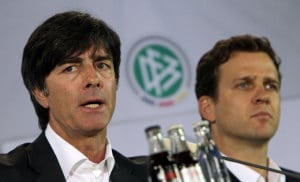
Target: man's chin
<point x="93" y="131"/>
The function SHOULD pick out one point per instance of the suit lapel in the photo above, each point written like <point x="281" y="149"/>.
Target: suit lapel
<point x="43" y="161"/>
<point x="124" y="170"/>
<point x="43" y="165"/>
<point x="233" y="177"/>
<point x="293" y="177"/>
<point x="121" y="172"/>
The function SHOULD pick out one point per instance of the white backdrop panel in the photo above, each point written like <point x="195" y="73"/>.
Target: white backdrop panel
<point x="193" y="25"/>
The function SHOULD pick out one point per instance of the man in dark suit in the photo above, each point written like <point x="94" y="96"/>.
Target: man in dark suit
<point x="237" y="86"/>
<point x="70" y="67"/>
<point x="238" y="90"/>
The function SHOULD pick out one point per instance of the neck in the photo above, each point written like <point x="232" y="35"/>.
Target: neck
<point x="246" y="151"/>
<point x="93" y="146"/>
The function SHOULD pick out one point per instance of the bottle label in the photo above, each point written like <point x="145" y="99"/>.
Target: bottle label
<point x="171" y="174"/>
<point x="192" y="174"/>
<point x="164" y="174"/>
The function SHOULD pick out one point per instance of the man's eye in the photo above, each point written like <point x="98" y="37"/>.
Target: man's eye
<point x="243" y="85"/>
<point x="102" y="65"/>
<point x="271" y="86"/>
<point x="70" y="69"/>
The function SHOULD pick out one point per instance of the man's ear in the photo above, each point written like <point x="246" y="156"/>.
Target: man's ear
<point x="41" y="97"/>
<point x="206" y="108"/>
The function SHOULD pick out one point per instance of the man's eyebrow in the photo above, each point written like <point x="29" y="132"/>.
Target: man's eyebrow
<point x="77" y="59"/>
<point x="74" y="59"/>
<point x="272" y="80"/>
<point x="245" y="78"/>
<point x="100" y="58"/>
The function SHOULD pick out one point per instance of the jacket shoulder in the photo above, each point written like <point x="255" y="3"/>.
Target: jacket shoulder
<point x="291" y="176"/>
<point x="11" y="162"/>
<point x="132" y="168"/>
<point x="14" y="157"/>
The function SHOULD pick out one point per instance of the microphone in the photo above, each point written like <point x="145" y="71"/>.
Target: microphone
<point x="262" y="167"/>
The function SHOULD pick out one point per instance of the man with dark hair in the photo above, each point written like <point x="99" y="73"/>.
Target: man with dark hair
<point x="238" y="90"/>
<point x="70" y="68"/>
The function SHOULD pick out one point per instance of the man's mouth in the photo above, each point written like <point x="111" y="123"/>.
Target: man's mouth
<point x="92" y="105"/>
<point x="262" y="115"/>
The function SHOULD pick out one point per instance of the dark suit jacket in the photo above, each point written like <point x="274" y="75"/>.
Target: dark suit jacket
<point x="287" y="177"/>
<point x="293" y="177"/>
<point x="36" y="162"/>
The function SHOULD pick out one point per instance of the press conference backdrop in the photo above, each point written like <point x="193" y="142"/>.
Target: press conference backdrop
<point x="177" y="33"/>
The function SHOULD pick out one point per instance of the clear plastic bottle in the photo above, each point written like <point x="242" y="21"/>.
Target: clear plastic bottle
<point x="209" y="157"/>
<point x="189" y="168"/>
<point x="161" y="168"/>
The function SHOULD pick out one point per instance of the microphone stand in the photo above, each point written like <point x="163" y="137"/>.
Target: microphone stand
<point x="262" y="167"/>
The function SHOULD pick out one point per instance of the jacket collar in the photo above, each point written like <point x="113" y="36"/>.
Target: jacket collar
<point x="43" y="161"/>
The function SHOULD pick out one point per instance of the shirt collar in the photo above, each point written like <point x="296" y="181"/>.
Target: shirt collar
<point x="68" y="155"/>
<point x="273" y="176"/>
<point x="245" y="173"/>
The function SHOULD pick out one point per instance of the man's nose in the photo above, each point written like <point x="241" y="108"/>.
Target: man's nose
<point x="261" y="95"/>
<point x="92" y="77"/>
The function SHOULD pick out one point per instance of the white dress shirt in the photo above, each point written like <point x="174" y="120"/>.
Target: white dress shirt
<point x="245" y="173"/>
<point x="77" y="167"/>
<point x="242" y="172"/>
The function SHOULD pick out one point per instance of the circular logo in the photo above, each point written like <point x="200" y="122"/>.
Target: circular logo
<point x="158" y="71"/>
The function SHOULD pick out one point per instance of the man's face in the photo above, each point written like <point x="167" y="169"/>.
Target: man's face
<point x="82" y="94"/>
<point x="248" y="103"/>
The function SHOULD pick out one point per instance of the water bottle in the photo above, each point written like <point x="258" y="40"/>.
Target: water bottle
<point x="161" y="168"/>
<point x="189" y="168"/>
<point x="209" y="157"/>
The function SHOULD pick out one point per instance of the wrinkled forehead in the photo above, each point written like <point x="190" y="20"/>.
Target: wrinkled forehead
<point x="93" y="52"/>
<point x="250" y="63"/>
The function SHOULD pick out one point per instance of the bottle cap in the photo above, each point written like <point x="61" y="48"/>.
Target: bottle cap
<point x="153" y="127"/>
<point x="200" y="123"/>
